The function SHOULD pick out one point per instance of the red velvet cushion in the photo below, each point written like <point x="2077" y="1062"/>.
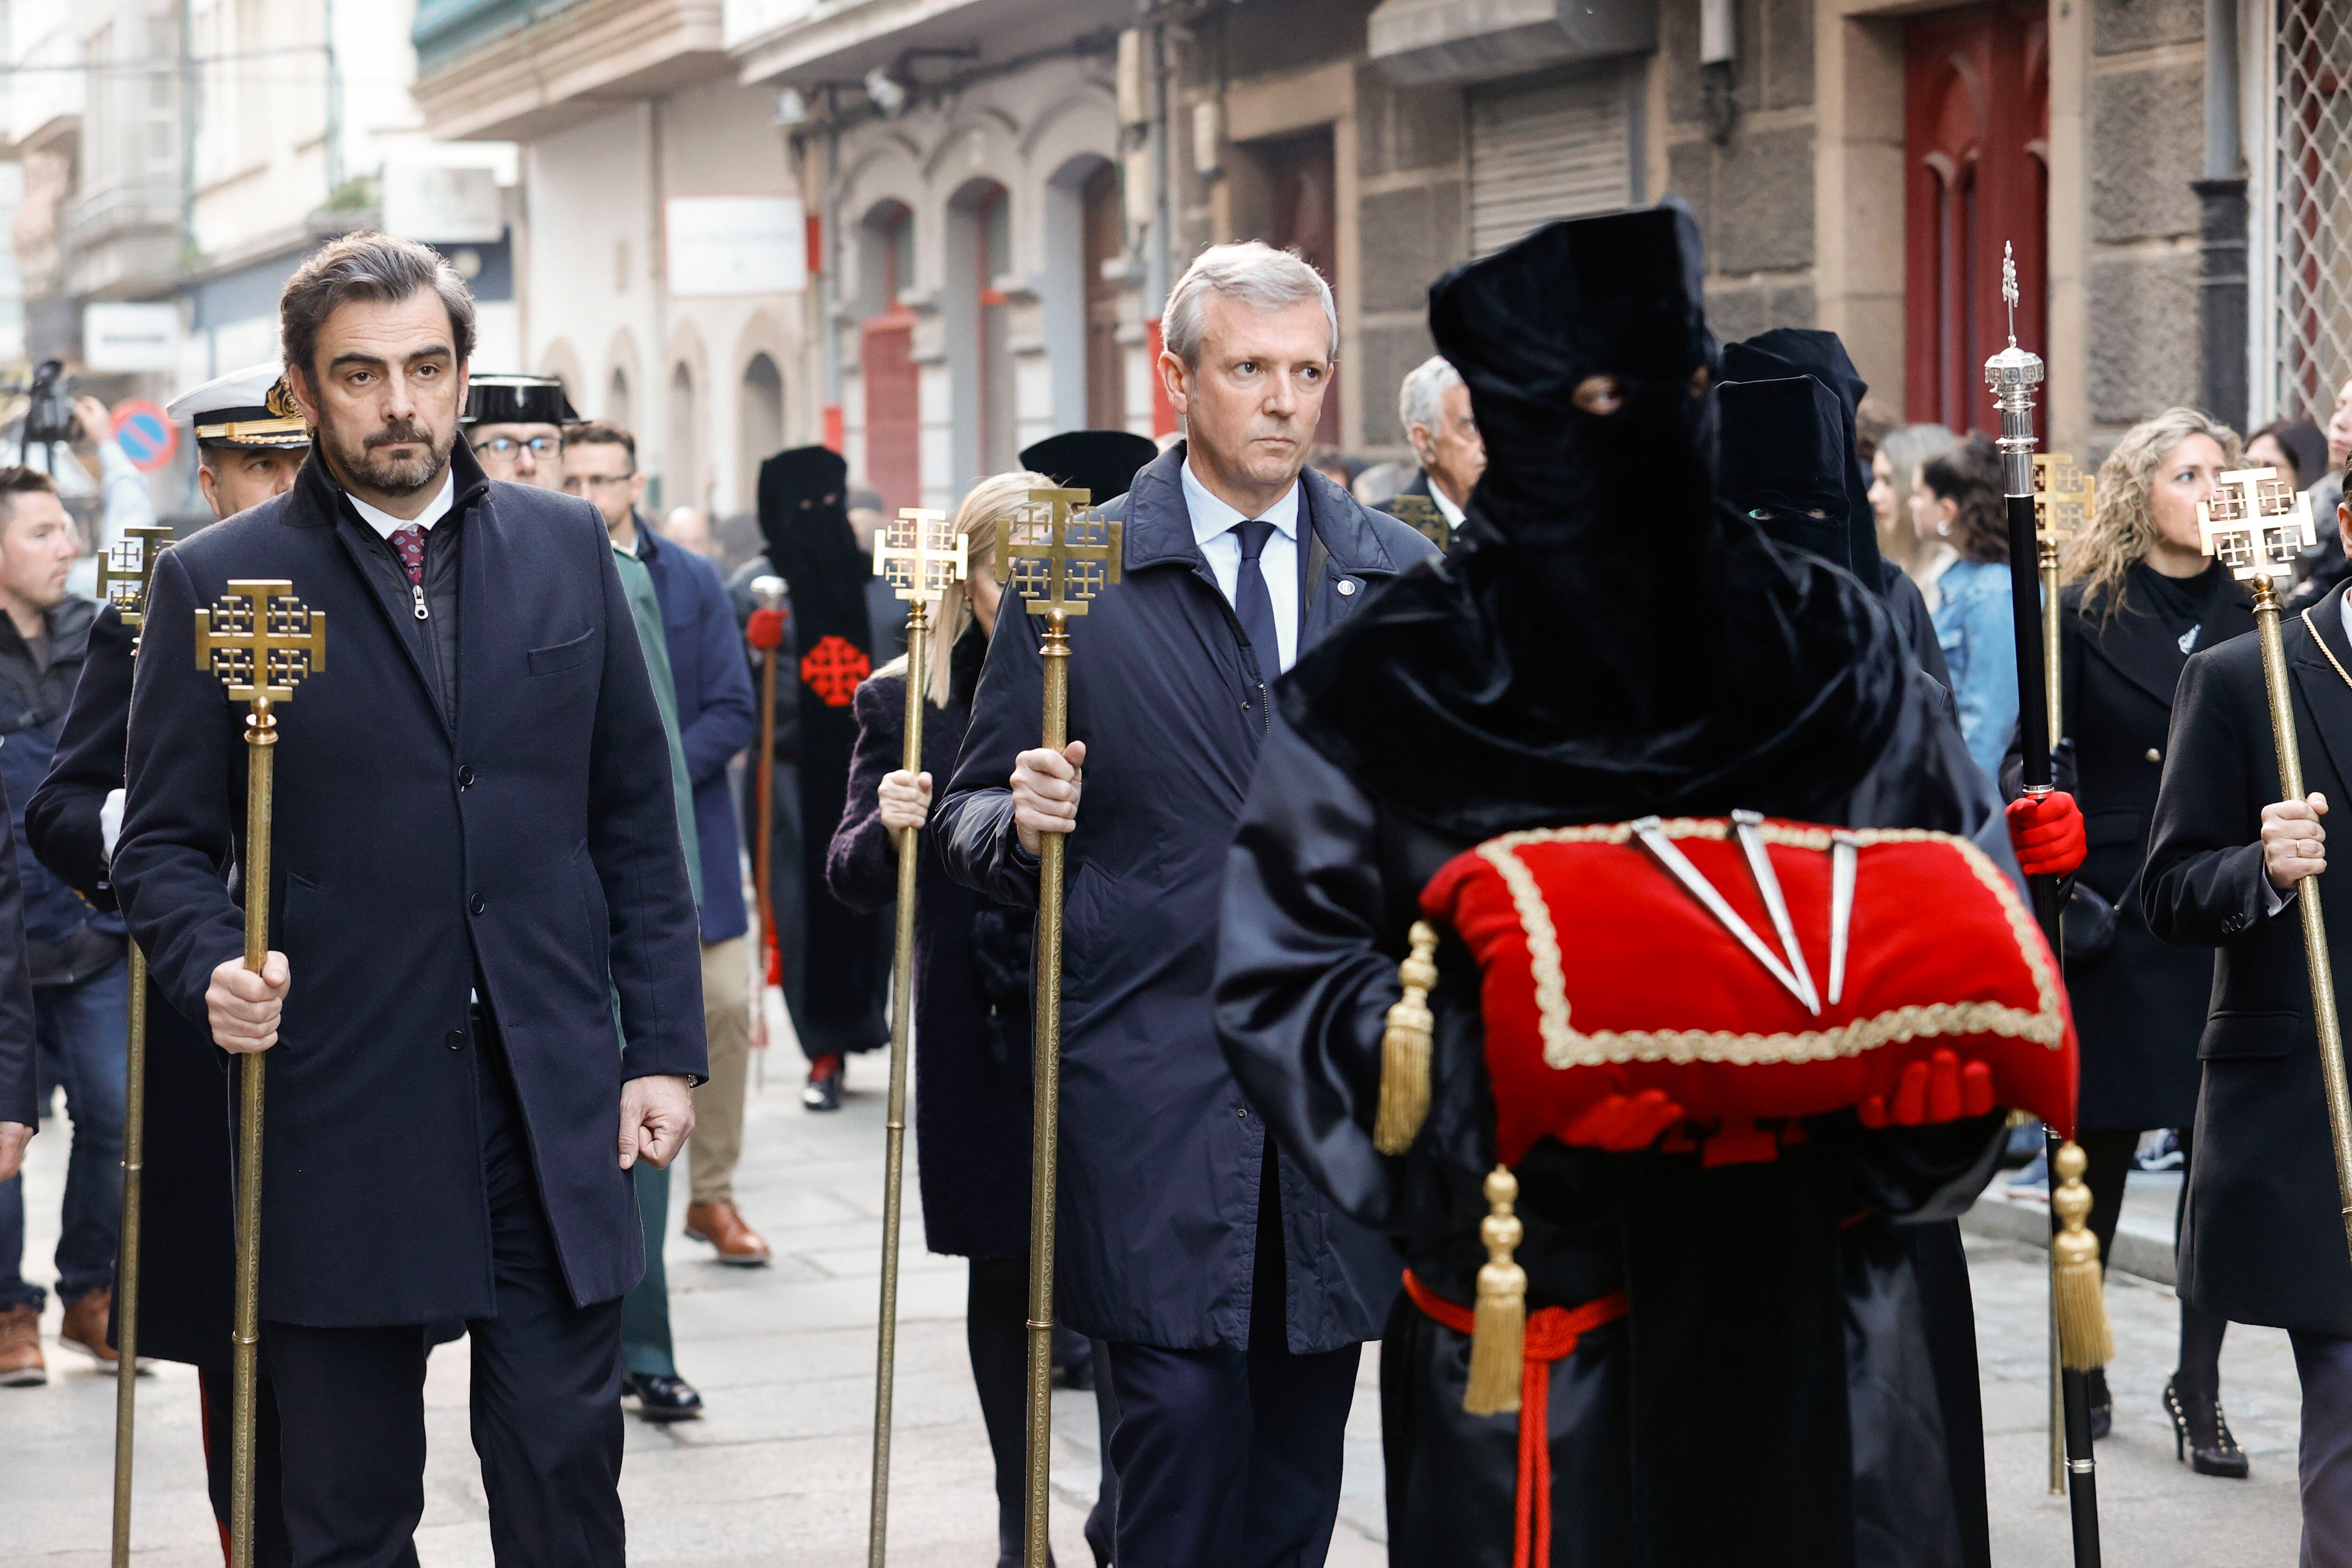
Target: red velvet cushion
<point x="1603" y="975"/>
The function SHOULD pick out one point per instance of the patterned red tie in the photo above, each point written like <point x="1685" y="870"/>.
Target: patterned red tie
<point x="410" y="543"/>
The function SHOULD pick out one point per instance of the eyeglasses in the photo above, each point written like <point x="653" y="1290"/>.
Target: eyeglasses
<point x="540" y="445"/>
<point x="582" y="481"/>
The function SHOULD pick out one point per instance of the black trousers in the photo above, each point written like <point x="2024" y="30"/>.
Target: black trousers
<point x="1230" y="1459"/>
<point x="546" y="1399"/>
<point x="218" y="1391"/>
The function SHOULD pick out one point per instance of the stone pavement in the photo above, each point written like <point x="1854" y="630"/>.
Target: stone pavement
<point x="777" y="1473"/>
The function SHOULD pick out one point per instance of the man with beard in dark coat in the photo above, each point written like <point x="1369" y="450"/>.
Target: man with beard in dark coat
<point x="1606" y="642"/>
<point x="835" y="961"/>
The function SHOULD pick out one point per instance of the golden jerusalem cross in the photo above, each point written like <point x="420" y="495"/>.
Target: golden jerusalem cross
<point x="260" y="640"/>
<point x="2062" y="498"/>
<point x="920" y="554"/>
<point x="2256" y="525"/>
<point x="1054" y="555"/>
<point x="126" y="569"/>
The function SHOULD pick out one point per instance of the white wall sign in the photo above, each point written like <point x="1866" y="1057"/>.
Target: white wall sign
<point x="444" y="206"/>
<point x="117" y="338"/>
<point x="719" y="246"/>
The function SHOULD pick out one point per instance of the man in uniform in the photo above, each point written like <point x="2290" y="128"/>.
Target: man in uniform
<point x="250" y="442"/>
<point x="476" y="867"/>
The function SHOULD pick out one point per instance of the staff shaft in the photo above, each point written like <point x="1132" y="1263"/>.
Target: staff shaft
<point x="126" y="1304"/>
<point x="902" y="1019"/>
<point x="2052" y="682"/>
<point x="1046" y="1145"/>
<point x="2314" y="925"/>
<point x="261" y="739"/>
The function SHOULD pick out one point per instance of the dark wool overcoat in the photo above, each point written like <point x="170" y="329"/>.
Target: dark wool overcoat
<point x="1161" y="1150"/>
<point x="516" y="836"/>
<point x="2260" y="1240"/>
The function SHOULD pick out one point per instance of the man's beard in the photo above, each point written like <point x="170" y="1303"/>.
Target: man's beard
<point x="365" y="465"/>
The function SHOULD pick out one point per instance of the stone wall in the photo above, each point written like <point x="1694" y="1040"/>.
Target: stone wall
<point x="2145" y="110"/>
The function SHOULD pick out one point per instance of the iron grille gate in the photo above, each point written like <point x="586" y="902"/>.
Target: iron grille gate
<point x="2307" y="318"/>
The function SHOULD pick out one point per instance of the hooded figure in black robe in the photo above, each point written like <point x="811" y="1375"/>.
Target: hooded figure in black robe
<point x="1801" y="351"/>
<point x="836" y="974"/>
<point x="1103" y="463"/>
<point x="1607" y="641"/>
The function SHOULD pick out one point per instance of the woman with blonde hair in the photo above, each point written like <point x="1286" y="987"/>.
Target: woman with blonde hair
<point x="972" y="988"/>
<point x="2141" y="597"/>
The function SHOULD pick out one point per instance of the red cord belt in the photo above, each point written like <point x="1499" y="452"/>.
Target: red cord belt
<point x="1552" y="1334"/>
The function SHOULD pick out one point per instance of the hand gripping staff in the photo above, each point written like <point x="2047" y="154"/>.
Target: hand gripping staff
<point x="1055" y="557"/>
<point x="920" y="554"/>
<point x="2255" y="523"/>
<point x="125" y="569"/>
<point x="2063" y="497"/>
<point x="260" y="642"/>
<point x="2084" y="1340"/>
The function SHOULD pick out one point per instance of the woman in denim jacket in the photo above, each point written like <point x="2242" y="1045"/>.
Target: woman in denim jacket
<point x="1961" y="489"/>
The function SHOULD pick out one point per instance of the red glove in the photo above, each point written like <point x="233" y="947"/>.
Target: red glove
<point x="2047" y="834"/>
<point x="1940" y="1088"/>
<point x="1625" y="1122"/>
<point x="766" y="629"/>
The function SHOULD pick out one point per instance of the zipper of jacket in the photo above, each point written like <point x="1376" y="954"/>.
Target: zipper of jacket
<point x="418" y="590"/>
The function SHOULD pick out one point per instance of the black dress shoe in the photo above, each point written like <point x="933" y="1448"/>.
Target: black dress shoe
<point x="823" y="1091"/>
<point x="662" y="1399"/>
<point x="2201" y="1433"/>
<point x="2103" y="1406"/>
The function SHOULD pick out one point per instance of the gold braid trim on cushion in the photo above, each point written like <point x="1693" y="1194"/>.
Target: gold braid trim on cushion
<point x="1564" y="1046"/>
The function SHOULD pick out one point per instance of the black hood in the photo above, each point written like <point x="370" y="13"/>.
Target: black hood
<point x="1606" y="640"/>
<point x="1803" y="350"/>
<point x="1779" y="464"/>
<point x="1103" y="463"/>
<point x="805" y="506"/>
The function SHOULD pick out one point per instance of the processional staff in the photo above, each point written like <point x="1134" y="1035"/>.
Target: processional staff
<point x="1055" y="557"/>
<point x="260" y="642"/>
<point x="2255" y="523"/>
<point x="920" y="555"/>
<point x="125" y="570"/>
<point x="2063" y="499"/>
<point x="2084" y="1342"/>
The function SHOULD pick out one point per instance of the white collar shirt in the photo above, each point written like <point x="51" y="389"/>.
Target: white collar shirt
<point x="1212" y="532"/>
<point x="1446" y="507"/>
<point x="386" y="525"/>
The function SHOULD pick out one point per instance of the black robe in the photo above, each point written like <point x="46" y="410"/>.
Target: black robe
<point x="1797" y="1382"/>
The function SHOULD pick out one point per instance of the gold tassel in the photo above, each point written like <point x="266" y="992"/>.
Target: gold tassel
<point x="1405" y="1047"/>
<point x="1500" y="1329"/>
<point x="2084" y="1339"/>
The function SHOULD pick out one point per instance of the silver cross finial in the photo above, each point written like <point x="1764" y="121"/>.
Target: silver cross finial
<point x="2008" y="287"/>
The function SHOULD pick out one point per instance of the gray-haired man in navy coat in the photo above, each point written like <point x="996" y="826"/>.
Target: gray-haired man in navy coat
<point x="475" y="858"/>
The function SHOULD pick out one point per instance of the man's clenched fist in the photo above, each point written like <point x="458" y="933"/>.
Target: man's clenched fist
<point x="244" y="1007"/>
<point x="1045" y="787"/>
<point x="657" y="1116"/>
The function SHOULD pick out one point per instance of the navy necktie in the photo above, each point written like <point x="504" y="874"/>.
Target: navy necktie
<point x="1253" y="605"/>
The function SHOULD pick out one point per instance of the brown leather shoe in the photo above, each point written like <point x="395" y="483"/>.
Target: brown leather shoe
<point x="723" y="1228"/>
<point x="21" y="1362"/>
<point x="85" y="1326"/>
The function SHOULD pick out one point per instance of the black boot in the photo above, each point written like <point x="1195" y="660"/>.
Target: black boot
<point x="2103" y="1405"/>
<point x="2201" y="1433"/>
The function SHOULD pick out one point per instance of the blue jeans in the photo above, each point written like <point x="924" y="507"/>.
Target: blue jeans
<point x="84" y="1026"/>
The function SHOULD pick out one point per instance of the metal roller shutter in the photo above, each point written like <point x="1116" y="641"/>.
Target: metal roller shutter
<point x="1552" y="149"/>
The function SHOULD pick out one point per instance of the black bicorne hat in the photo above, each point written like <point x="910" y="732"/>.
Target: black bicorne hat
<point x="1103" y="463"/>
<point x="518" y="400"/>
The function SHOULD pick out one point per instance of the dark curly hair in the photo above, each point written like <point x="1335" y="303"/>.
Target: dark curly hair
<point x="1969" y="475"/>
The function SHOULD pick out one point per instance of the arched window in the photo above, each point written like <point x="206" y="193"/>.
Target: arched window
<point x="886" y="357"/>
<point x="617" y="410"/>
<point x="683" y="450"/>
<point x="760" y="424"/>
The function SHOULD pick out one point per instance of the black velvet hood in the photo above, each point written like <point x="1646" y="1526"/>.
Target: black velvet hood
<point x="1778" y="462"/>
<point x="1804" y="350"/>
<point x="1605" y="640"/>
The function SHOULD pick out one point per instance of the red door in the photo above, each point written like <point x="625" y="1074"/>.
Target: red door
<point x="893" y="441"/>
<point x="1976" y="177"/>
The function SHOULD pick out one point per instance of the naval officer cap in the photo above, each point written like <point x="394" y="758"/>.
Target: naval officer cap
<point x="518" y="400"/>
<point x="248" y="407"/>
